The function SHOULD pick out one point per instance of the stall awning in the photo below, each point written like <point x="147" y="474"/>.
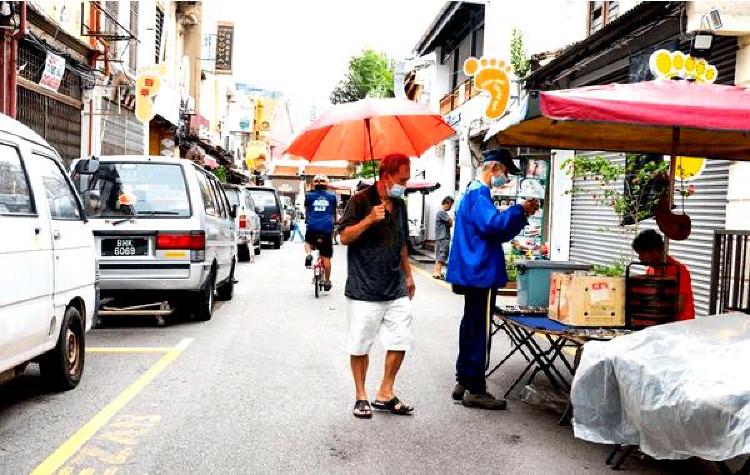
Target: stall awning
<point x="330" y="172"/>
<point x="678" y="117"/>
<point x="285" y="170"/>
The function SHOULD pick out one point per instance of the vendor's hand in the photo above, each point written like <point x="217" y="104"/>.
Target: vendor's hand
<point x="530" y="207"/>
<point x="377" y="214"/>
<point x="410" y="287"/>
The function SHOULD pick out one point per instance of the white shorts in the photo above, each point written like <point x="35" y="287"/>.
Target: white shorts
<point x="392" y="319"/>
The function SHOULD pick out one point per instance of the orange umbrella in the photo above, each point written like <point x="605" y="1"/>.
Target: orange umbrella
<point x="371" y="129"/>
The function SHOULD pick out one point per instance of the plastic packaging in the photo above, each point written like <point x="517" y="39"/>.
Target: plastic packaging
<point x="555" y="401"/>
<point x="678" y="390"/>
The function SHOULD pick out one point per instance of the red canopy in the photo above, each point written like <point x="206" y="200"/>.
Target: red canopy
<point x="667" y="117"/>
<point x="661" y="103"/>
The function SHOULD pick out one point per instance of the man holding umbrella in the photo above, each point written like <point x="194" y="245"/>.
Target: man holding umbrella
<point x="477" y="270"/>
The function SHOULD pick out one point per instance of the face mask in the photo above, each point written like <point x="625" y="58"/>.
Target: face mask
<point x="397" y="191"/>
<point x="498" y="181"/>
<point x="320" y="187"/>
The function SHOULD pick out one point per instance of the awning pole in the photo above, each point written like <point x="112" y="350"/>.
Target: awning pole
<point x="672" y="175"/>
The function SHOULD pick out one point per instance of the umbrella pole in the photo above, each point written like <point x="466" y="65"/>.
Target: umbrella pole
<point x="372" y="154"/>
<point x="672" y="175"/>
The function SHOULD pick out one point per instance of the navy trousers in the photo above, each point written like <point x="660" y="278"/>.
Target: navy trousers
<point x="474" y="338"/>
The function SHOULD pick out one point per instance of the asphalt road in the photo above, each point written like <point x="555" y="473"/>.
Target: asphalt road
<point x="264" y="387"/>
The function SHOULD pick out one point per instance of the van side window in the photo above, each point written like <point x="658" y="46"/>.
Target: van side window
<point x="249" y="201"/>
<point x="60" y="196"/>
<point x="220" y="202"/>
<point x="209" y="202"/>
<point x="15" y="196"/>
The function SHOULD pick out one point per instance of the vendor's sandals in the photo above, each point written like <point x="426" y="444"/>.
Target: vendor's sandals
<point x="394" y="405"/>
<point x="438" y="277"/>
<point x="362" y="409"/>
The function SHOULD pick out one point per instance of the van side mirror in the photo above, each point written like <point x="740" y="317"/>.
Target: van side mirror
<point x="259" y="209"/>
<point x="92" y="201"/>
<point x="87" y="167"/>
<point x="233" y="211"/>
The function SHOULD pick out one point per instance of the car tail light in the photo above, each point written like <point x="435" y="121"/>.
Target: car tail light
<point x="275" y="217"/>
<point x="243" y="221"/>
<point x="194" y="241"/>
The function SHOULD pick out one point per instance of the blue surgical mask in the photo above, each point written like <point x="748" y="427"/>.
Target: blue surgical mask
<point x="397" y="191"/>
<point x="498" y="181"/>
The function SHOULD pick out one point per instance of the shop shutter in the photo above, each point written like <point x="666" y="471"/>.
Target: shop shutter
<point x="122" y="133"/>
<point x="597" y="238"/>
<point x="57" y="122"/>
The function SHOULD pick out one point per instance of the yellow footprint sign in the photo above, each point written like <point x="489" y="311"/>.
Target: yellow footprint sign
<point x="491" y="76"/>
<point x="665" y="64"/>
<point x="689" y="168"/>
<point x="147" y="86"/>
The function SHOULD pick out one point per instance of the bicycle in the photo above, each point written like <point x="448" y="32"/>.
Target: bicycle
<point x="318" y="272"/>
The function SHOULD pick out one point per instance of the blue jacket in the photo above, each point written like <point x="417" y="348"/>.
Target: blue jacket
<point x="477" y="258"/>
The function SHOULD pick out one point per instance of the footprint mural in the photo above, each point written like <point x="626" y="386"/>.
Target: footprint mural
<point x="493" y="77"/>
<point x="667" y="64"/>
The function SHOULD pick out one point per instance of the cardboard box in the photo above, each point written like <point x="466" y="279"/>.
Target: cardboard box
<point x="587" y="301"/>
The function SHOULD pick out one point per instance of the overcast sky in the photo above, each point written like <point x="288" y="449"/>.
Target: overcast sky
<point x="303" y="47"/>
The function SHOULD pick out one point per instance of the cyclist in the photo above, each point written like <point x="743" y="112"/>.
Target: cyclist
<point x="320" y="212"/>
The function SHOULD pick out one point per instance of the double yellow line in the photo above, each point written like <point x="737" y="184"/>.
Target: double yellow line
<point x="85" y="433"/>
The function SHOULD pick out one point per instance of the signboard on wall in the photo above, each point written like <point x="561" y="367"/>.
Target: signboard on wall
<point x="224" y="47"/>
<point x="54" y="69"/>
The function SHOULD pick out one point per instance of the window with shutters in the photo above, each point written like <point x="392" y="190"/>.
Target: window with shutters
<point x="602" y="13"/>
<point x="133" y="44"/>
<point x="158" y="30"/>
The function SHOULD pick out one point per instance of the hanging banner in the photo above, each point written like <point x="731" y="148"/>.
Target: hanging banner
<point x="665" y="64"/>
<point x="54" y="69"/>
<point x="147" y="85"/>
<point x="224" y="47"/>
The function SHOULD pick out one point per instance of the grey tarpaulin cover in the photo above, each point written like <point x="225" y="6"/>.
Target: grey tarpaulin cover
<point x="678" y="390"/>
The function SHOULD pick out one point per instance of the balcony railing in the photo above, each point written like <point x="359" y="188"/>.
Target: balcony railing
<point x="460" y="95"/>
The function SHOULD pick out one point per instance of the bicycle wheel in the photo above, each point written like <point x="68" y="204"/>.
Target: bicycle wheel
<point x="316" y="283"/>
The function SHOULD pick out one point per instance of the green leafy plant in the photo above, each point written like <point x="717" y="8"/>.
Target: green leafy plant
<point x="221" y="174"/>
<point x="518" y="59"/>
<point x="510" y="267"/>
<point x="631" y="189"/>
<point x="369" y="169"/>
<point x="614" y="270"/>
<point x="370" y="75"/>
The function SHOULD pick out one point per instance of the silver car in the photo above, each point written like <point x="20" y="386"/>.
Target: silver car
<point x="247" y="221"/>
<point x="165" y="235"/>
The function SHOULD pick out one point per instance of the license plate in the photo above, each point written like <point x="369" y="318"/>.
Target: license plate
<point x="124" y="247"/>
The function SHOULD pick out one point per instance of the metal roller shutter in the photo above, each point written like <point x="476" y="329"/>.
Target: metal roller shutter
<point x="57" y="122"/>
<point x="122" y="133"/>
<point x="596" y="237"/>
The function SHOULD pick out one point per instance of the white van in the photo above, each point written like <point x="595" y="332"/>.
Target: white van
<point x="48" y="261"/>
<point x="165" y="235"/>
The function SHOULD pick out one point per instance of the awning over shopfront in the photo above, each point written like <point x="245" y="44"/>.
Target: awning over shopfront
<point x="330" y="172"/>
<point x="666" y="117"/>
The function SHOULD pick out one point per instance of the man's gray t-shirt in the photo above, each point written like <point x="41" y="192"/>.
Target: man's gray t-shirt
<point x="442" y="226"/>
<point x="374" y="259"/>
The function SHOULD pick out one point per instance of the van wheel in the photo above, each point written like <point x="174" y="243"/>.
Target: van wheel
<point x="226" y="290"/>
<point x="287" y="235"/>
<point x="277" y="243"/>
<point x="257" y="249"/>
<point x="63" y="366"/>
<point x="205" y="299"/>
<point x="243" y="253"/>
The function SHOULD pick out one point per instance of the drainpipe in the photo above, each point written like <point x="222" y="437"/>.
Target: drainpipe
<point x="95" y="42"/>
<point x="3" y="71"/>
<point x="13" y="76"/>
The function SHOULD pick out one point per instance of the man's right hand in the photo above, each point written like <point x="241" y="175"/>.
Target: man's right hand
<point x="377" y="214"/>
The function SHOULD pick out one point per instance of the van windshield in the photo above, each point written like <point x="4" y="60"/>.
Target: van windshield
<point x="140" y="189"/>
<point x="264" y="198"/>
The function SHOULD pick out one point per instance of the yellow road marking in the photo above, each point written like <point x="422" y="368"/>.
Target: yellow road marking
<point x="132" y="349"/>
<point x="77" y="440"/>
<point x="442" y="283"/>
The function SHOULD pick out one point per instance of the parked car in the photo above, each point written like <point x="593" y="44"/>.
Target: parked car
<point x="47" y="257"/>
<point x="247" y="221"/>
<point x="271" y="219"/>
<point x="165" y="235"/>
<point x="287" y="213"/>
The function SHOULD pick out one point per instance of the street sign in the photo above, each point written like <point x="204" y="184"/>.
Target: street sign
<point x="224" y="47"/>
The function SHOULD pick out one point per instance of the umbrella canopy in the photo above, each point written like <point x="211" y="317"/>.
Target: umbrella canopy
<point x="371" y="129"/>
<point x="667" y="117"/>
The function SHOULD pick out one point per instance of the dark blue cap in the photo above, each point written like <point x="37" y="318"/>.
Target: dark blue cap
<point x="503" y="156"/>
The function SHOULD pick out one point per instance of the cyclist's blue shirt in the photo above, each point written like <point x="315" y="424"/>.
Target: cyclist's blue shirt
<point x="320" y="208"/>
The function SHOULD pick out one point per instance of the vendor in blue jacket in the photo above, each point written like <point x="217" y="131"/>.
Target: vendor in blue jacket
<point x="477" y="270"/>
